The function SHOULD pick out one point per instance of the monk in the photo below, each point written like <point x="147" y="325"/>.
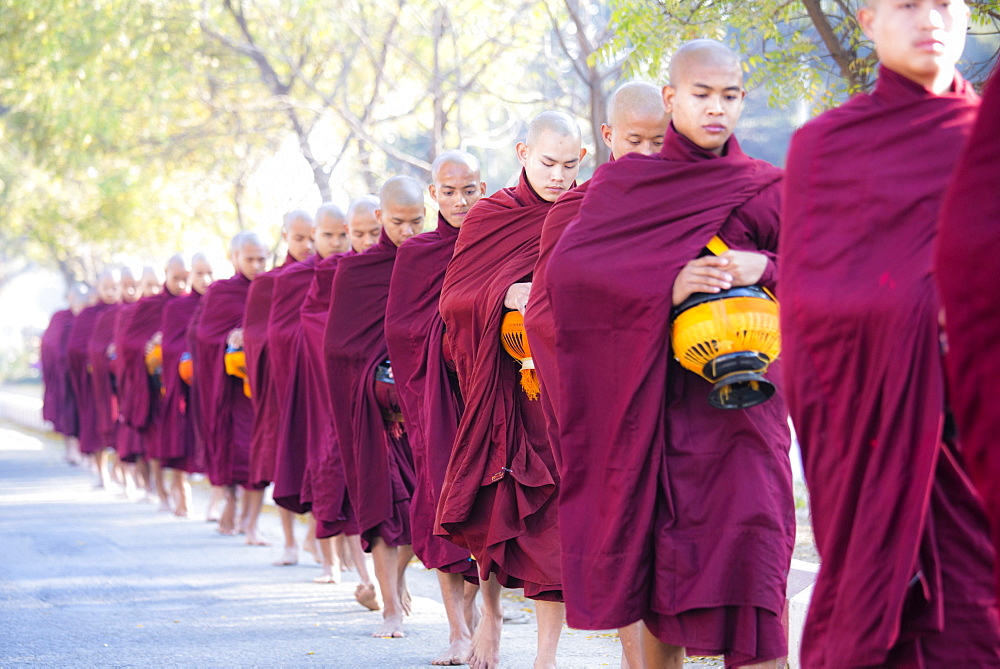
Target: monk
<point x="178" y="451"/>
<point x="130" y="372"/>
<point x="370" y="431"/>
<point x="499" y="491"/>
<point x="105" y="398"/>
<point x="427" y="387"/>
<point x="907" y="568"/>
<point x="964" y="267"/>
<point x="139" y="391"/>
<point x="637" y="123"/>
<point x="288" y="362"/>
<point x="59" y="404"/>
<point x="296" y="232"/>
<point x="225" y="410"/>
<point x="324" y="486"/>
<point x="672" y="512"/>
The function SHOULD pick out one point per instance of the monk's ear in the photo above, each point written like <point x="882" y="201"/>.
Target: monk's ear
<point x="482" y="188"/>
<point x="522" y="153"/>
<point x="668" y="98"/>
<point x="606" y="134"/>
<point x="583" y="152"/>
<point x="378" y="216"/>
<point x="866" y="16"/>
<point x="433" y="192"/>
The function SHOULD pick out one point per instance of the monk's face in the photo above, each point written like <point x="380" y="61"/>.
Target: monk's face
<point x="455" y="189"/>
<point x="364" y="230"/>
<point x="109" y="291"/>
<point x="130" y="289"/>
<point x="706" y="102"/>
<point x="177" y="278"/>
<point x="149" y="285"/>
<point x="201" y="276"/>
<point x="331" y="236"/>
<point x="77" y="302"/>
<point x="298" y="236"/>
<point x="917" y="38"/>
<point x="401" y="221"/>
<point x="635" y="132"/>
<point x="251" y="260"/>
<point x="551" y="163"/>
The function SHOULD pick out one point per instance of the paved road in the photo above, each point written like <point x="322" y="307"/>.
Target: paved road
<point x="90" y="579"/>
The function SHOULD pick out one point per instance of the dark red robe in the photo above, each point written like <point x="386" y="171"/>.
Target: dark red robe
<point x="498" y="495"/>
<point x="102" y="382"/>
<point x="128" y="441"/>
<point x="140" y="400"/>
<point x="78" y="353"/>
<point x="672" y="511"/>
<point x="226" y="413"/>
<point x="177" y="439"/>
<point x="428" y="389"/>
<point x="324" y="486"/>
<point x="264" y="430"/>
<point x="198" y="408"/>
<point x="288" y="362"/>
<point x="907" y="565"/>
<point x="966" y="270"/>
<point x="58" y="403"/>
<point x="378" y="465"/>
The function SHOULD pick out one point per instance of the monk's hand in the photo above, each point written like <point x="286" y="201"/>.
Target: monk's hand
<point x="110" y="353"/>
<point x="154" y="341"/>
<point x="517" y="296"/>
<point x="746" y="267"/>
<point x="235" y="338"/>
<point x="709" y="274"/>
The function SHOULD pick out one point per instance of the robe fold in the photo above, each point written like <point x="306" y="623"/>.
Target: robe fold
<point x="428" y="390"/>
<point x="226" y="413"/>
<point x="58" y="403"/>
<point x="264" y="430"/>
<point x="288" y="361"/>
<point x="498" y="495"/>
<point x="672" y="511"/>
<point x="907" y="566"/>
<point x="128" y="441"/>
<point x="177" y="438"/>
<point x="324" y="486"/>
<point x="140" y="400"/>
<point x="105" y="398"/>
<point x="967" y="265"/>
<point x="198" y="403"/>
<point x="78" y="357"/>
<point x="378" y="465"/>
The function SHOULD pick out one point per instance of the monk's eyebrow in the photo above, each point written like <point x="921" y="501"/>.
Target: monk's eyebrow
<point x="556" y="160"/>
<point x="727" y="88"/>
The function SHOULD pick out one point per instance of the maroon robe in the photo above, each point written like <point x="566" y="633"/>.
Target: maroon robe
<point x="907" y="567"/>
<point x="140" y="400"/>
<point x="966" y="270"/>
<point x="128" y="442"/>
<point x="324" y="486"/>
<point x="177" y="439"/>
<point x="78" y="353"/>
<point x="198" y="396"/>
<point x="225" y="411"/>
<point x="672" y="511"/>
<point x="378" y="465"/>
<point x="539" y="323"/>
<point x="288" y="361"/>
<point x="428" y="390"/>
<point x="58" y="403"/>
<point x="105" y="397"/>
<point x="498" y="495"/>
<point x="264" y="430"/>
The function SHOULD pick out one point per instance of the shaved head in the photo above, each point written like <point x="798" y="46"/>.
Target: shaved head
<point x="362" y="226"/>
<point x="401" y="208"/>
<point x="251" y="255"/>
<point x="297" y="231"/>
<point x="552" y="122"/>
<point x="330" y="235"/>
<point x="109" y="288"/>
<point x="705" y="53"/>
<point x="455" y="158"/>
<point x="78" y="296"/>
<point x="176" y="274"/>
<point x="149" y="282"/>
<point x="130" y="287"/>
<point x="637" y="120"/>
<point x="551" y="154"/>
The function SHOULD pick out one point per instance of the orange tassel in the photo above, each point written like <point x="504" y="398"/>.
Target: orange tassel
<point x="529" y="383"/>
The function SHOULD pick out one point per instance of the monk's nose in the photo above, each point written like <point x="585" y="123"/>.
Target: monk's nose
<point x="935" y="18"/>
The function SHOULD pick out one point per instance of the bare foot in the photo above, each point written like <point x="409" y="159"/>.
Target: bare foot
<point x="327" y="578"/>
<point x="367" y="597"/>
<point x="456" y="654"/>
<point x="391" y="628"/>
<point x="181" y="513"/>
<point x="288" y="558"/>
<point x="486" y="642"/>
<point x="254" y="540"/>
<point x="405" y="600"/>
